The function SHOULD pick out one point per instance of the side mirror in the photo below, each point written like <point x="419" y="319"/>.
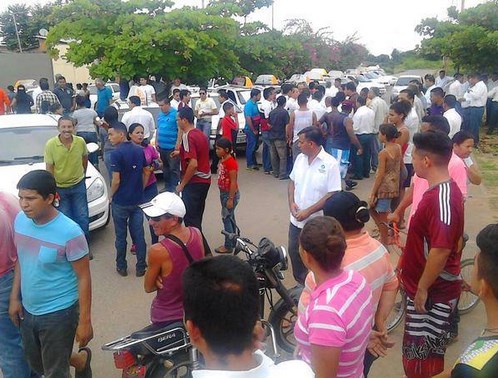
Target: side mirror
<point x="92" y="147"/>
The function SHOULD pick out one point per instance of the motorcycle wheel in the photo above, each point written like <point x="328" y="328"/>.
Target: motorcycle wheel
<point x="283" y="318"/>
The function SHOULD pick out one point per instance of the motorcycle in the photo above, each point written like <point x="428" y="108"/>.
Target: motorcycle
<point x="268" y="263"/>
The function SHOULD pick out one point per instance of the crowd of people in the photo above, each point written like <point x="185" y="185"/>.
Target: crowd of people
<point x="322" y="139"/>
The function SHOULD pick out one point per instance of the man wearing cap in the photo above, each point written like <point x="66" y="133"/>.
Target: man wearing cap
<point x="127" y="186"/>
<point x="170" y="257"/>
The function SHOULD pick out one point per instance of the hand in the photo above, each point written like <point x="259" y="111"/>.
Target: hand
<point x="372" y="200"/>
<point x="294" y="209"/>
<point x="379" y="343"/>
<point x="179" y="188"/>
<point x="393" y="217"/>
<point x="420" y="300"/>
<point x="302" y="215"/>
<point x="359" y="151"/>
<point x="229" y="203"/>
<point x="16" y="312"/>
<point x="174" y="153"/>
<point x="159" y="282"/>
<point x="84" y="333"/>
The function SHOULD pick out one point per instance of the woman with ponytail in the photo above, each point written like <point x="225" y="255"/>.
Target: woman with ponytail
<point x="368" y="257"/>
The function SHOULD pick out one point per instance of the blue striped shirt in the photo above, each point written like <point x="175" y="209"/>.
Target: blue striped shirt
<point x="167" y="129"/>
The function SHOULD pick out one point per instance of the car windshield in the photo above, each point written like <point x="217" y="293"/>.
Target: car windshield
<point x="371" y="75"/>
<point x="404" y="81"/>
<point x="12" y="151"/>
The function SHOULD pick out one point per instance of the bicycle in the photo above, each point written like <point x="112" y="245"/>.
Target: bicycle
<point x="467" y="301"/>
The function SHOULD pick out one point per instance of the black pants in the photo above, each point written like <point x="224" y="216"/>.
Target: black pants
<point x="299" y="270"/>
<point x="194" y="197"/>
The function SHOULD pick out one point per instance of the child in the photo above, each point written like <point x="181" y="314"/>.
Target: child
<point x="386" y="186"/>
<point x="229" y="191"/>
<point x="229" y="127"/>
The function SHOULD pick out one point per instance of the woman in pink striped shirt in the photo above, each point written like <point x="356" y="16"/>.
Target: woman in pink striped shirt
<point x="333" y="332"/>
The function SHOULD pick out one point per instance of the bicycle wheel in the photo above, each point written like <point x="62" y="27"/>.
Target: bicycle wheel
<point x="394" y="250"/>
<point x="398" y="311"/>
<point x="468" y="300"/>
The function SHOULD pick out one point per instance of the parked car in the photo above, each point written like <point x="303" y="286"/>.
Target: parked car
<point x="402" y="83"/>
<point x="319" y="74"/>
<point x="363" y="82"/>
<point x="266" y="80"/>
<point x="336" y="74"/>
<point x="298" y="78"/>
<point x="22" y="143"/>
<point x="93" y="92"/>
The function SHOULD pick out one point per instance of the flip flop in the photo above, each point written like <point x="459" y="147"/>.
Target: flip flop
<point x="87" y="370"/>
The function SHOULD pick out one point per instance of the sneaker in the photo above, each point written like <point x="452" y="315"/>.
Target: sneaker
<point x="122" y="271"/>
<point x="255" y="168"/>
<point x="140" y="273"/>
<point x="268" y="172"/>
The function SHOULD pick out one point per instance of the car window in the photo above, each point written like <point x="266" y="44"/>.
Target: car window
<point x="115" y="88"/>
<point x="404" y="81"/>
<point x="244" y="96"/>
<point x="32" y="148"/>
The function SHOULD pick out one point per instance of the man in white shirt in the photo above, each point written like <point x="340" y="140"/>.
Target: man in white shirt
<point x="381" y="109"/>
<point x="148" y="91"/>
<point x="291" y="103"/>
<point x="314" y="178"/>
<point x="204" y="110"/>
<point x="363" y="126"/>
<point x="139" y="115"/>
<point x="175" y="99"/>
<point x="490" y="84"/>
<point x="315" y="105"/>
<point x="476" y="96"/>
<point x="429" y="84"/>
<point x="228" y="334"/>
<point x="442" y="79"/>
<point x="456" y="88"/>
<point x="177" y="84"/>
<point x="450" y="113"/>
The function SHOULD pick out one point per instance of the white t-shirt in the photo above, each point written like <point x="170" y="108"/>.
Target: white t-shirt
<point x="174" y="103"/>
<point x="412" y="123"/>
<point x="313" y="181"/>
<point x="267" y="107"/>
<point x="364" y="120"/>
<point x="291" y="105"/>
<point x="381" y="109"/>
<point x="148" y="90"/>
<point x="455" y="121"/>
<point x="266" y="369"/>
<point x="477" y="95"/>
<point x="143" y="117"/>
<point x="205" y="106"/>
<point x="318" y="108"/>
<point x="456" y="89"/>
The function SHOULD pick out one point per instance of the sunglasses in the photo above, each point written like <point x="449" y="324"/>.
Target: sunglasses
<point x="159" y="218"/>
<point x="202" y="93"/>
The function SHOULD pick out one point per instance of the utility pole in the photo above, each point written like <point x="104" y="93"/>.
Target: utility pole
<point x="462" y="8"/>
<point x="272" y="15"/>
<point x="17" y="32"/>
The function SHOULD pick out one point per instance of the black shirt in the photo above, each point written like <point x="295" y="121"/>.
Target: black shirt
<point x="278" y="120"/>
<point x="479" y="360"/>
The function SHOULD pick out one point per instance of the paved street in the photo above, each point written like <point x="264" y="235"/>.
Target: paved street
<point x="121" y="306"/>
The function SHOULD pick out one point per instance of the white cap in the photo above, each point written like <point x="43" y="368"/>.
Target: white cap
<point x="166" y="202"/>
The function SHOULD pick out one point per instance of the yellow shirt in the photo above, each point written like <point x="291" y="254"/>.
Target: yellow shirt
<point x="68" y="163"/>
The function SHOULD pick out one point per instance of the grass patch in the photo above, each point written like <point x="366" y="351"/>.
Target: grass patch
<point x="487" y="160"/>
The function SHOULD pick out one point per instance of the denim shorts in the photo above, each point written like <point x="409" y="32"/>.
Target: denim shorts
<point x="383" y="205"/>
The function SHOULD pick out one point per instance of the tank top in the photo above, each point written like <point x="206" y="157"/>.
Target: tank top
<point x="302" y="119"/>
<point x="389" y="187"/>
<point x="339" y="134"/>
<point x="168" y="303"/>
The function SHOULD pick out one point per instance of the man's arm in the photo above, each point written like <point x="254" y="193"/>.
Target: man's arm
<point x="302" y="215"/>
<point x="158" y="257"/>
<point x="405" y="203"/>
<point x="435" y="264"/>
<point x="84" y="162"/>
<point x="115" y="182"/>
<point x="289" y="129"/>
<point x="15" y="306"/>
<point x="290" y="197"/>
<point x="348" y="123"/>
<point x="84" y="332"/>
<point x="189" y="173"/>
<point x="50" y="167"/>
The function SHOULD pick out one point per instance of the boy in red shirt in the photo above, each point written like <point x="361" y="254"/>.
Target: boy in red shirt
<point x="229" y="127"/>
<point x="430" y="265"/>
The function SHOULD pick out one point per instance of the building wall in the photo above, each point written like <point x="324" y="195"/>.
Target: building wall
<point x="71" y="73"/>
<point x="16" y="66"/>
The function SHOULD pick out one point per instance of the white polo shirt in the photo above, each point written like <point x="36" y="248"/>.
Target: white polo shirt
<point x="477" y="95"/>
<point x="141" y="116"/>
<point x="313" y="181"/>
<point x="455" y="121"/>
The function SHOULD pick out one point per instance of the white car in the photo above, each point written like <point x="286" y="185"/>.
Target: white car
<point x="402" y="83"/>
<point x="22" y="143"/>
<point x="93" y="92"/>
<point x="363" y="82"/>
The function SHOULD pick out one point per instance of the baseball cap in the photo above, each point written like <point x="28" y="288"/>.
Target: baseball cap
<point x="348" y="209"/>
<point x="166" y="202"/>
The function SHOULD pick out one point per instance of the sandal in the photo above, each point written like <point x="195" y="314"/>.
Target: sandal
<point x="223" y="250"/>
<point x="87" y="370"/>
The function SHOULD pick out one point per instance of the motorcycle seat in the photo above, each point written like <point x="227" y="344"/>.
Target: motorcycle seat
<point x="154" y="329"/>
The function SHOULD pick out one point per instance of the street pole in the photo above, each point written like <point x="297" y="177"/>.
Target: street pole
<point x="272" y="15"/>
<point x="17" y="32"/>
<point x="462" y="8"/>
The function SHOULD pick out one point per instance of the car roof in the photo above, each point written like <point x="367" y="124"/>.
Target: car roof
<point x="26" y="120"/>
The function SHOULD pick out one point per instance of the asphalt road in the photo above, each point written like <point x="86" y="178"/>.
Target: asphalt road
<point x="120" y="305"/>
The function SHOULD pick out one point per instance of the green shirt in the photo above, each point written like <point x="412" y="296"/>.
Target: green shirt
<point x="68" y="163"/>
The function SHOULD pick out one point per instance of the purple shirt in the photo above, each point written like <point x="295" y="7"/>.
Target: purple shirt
<point x="436" y="110"/>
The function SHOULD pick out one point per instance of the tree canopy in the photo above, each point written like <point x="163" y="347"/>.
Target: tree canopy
<point x="469" y="38"/>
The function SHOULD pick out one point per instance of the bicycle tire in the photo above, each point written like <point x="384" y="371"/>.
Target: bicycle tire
<point x="395" y="249"/>
<point x="398" y="311"/>
<point x="468" y="301"/>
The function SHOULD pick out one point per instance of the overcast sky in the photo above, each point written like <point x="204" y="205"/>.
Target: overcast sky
<point x="381" y="25"/>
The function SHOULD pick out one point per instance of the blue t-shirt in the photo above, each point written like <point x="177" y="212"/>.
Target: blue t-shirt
<point x="48" y="280"/>
<point x="250" y="110"/>
<point x="104" y="96"/>
<point x="167" y="129"/>
<point x="129" y="160"/>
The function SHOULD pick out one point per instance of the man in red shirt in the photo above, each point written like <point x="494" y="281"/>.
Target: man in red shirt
<point x="430" y="266"/>
<point x="195" y="168"/>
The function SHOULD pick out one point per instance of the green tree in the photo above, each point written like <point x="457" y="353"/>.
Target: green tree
<point x="468" y="38"/>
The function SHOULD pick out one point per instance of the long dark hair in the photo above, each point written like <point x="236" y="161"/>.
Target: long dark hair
<point x="145" y="141"/>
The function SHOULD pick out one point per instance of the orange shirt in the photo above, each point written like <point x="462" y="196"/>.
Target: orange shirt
<point x="4" y="100"/>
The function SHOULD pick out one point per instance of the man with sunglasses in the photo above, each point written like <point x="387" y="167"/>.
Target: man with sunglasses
<point x="205" y="108"/>
<point x="169" y="258"/>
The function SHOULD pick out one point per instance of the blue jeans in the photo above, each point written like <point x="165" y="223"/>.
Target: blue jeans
<point x="205" y="126"/>
<point x="12" y="362"/>
<point x="129" y="217"/>
<point x="107" y="162"/>
<point x="493" y="116"/>
<point x="48" y="340"/>
<point x="228" y="216"/>
<point x="362" y="162"/>
<point x="266" y="151"/>
<point x="171" y="169"/>
<point x="475" y="120"/>
<point x="252" y="146"/>
<point x="91" y="137"/>
<point x="375" y="151"/>
<point x="74" y="204"/>
<point x="151" y="192"/>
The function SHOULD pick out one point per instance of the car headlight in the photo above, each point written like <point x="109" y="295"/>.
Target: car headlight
<point x="95" y="190"/>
